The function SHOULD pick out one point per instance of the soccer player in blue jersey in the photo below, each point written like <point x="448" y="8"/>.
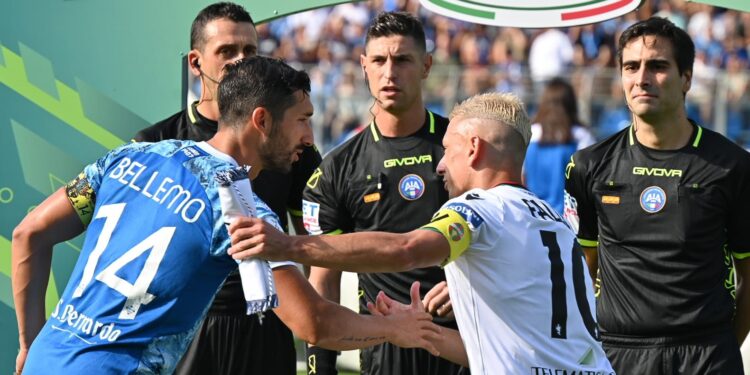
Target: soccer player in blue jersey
<point x="155" y="250"/>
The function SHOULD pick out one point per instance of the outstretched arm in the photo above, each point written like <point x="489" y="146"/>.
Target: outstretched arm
<point x="355" y="252"/>
<point x="329" y="325"/>
<point x="51" y="222"/>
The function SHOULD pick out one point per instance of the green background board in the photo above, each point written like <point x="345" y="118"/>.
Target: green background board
<point x="77" y="78"/>
<point x="743" y="5"/>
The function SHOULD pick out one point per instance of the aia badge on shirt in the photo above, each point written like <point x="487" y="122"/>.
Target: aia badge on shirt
<point x="653" y="199"/>
<point x="411" y="187"/>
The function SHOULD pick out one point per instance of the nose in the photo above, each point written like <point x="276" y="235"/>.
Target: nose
<point x="642" y="78"/>
<point x="389" y="71"/>
<point x="441" y="167"/>
<point x="308" y="139"/>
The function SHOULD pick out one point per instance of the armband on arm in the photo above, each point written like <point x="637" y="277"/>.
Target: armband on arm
<point x="82" y="196"/>
<point x="454" y="228"/>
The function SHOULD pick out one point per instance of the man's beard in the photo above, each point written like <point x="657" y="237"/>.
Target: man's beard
<point x="274" y="155"/>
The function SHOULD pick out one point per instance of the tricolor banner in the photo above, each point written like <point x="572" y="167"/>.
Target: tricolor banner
<point x="531" y="13"/>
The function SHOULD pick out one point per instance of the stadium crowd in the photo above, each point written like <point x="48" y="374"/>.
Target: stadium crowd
<point x="472" y="58"/>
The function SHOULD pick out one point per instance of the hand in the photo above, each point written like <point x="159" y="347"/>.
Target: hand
<point x="413" y="327"/>
<point x="438" y="301"/>
<point x="253" y="237"/>
<point x="20" y="361"/>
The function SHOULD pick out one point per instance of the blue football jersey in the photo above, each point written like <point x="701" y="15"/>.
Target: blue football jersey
<point x="153" y="258"/>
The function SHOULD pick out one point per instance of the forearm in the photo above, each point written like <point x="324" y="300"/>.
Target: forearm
<point x="451" y="347"/>
<point x="347" y="330"/>
<point x="371" y="251"/>
<point x="50" y="223"/>
<point x="30" y="262"/>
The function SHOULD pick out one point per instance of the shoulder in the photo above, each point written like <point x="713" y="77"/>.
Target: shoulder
<point x="164" y="129"/>
<point x="601" y="151"/>
<point x="470" y="206"/>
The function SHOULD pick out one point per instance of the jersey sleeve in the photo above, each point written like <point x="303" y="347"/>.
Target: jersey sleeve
<point x="81" y="191"/>
<point x="580" y="211"/>
<point x="322" y="209"/>
<point x="460" y="222"/>
<point x="739" y="217"/>
<point x="301" y="172"/>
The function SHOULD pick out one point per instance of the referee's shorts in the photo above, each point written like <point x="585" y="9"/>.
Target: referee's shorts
<point x="238" y="344"/>
<point x="698" y="353"/>
<point x="388" y="359"/>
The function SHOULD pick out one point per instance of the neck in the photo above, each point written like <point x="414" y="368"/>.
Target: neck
<point x="663" y="135"/>
<point x="208" y="108"/>
<point x="487" y="178"/>
<point x="228" y="141"/>
<point x="400" y="124"/>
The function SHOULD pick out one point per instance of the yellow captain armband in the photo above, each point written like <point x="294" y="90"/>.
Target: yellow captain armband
<point x="740" y="256"/>
<point x="82" y="197"/>
<point x="454" y="228"/>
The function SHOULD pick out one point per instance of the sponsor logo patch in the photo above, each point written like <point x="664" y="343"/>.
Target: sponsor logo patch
<point x="571" y="211"/>
<point x="411" y="187"/>
<point x="653" y="199"/>
<point x="310" y="213"/>
<point x="471" y="217"/>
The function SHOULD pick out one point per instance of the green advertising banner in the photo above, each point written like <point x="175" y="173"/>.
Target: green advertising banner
<point x="77" y="78"/>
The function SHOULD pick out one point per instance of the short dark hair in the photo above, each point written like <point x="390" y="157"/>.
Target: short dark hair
<point x="212" y="12"/>
<point x="397" y="23"/>
<point x="259" y="81"/>
<point x="682" y="46"/>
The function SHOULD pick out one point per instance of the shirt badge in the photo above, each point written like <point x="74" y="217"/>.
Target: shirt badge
<point x="653" y="199"/>
<point x="411" y="187"/>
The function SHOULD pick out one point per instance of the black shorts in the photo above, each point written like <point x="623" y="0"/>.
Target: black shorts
<point x="715" y="353"/>
<point x="238" y="344"/>
<point x="388" y="359"/>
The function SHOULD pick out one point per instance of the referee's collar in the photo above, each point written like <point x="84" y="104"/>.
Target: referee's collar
<point x="196" y="118"/>
<point x="430" y="118"/>
<point x="695" y="138"/>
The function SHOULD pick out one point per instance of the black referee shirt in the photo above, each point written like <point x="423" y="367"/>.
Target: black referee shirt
<point x="373" y="182"/>
<point x="282" y="192"/>
<point x="665" y="223"/>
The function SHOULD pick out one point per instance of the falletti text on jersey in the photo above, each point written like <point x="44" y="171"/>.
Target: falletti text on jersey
<point x="541" y="210"/>
<point x="158" y="188"/>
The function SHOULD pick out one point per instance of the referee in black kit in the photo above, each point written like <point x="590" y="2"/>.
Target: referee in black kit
<point x="665" y="207"/>
<point x="384" y="179"/>
<point x="229" y="341"/>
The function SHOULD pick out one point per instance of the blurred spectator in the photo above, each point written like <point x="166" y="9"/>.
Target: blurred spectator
<point x="556" y="133"/>
<point x="551" y="53"/>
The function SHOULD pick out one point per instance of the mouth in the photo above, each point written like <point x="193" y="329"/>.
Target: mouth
<point x="390" y="90"/>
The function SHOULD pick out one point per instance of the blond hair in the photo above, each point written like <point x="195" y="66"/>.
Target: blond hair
<point x="505" y="108"/>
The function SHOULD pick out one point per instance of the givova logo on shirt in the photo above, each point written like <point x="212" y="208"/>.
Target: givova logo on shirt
<point x="531" y="14"/>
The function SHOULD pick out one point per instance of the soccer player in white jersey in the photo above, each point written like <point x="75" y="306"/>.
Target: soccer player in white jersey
<point x="516" y="277"/>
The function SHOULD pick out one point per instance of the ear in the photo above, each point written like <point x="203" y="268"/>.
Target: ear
<point x="260" y="119"/>
<point x="475" y="150"/>
<point x="687" y="78"/>
<point x="427" y="66"/>
<point x="192" y="56"/>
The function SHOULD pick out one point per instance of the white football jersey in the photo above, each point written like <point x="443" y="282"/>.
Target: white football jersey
<point x="519" y="285"/>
